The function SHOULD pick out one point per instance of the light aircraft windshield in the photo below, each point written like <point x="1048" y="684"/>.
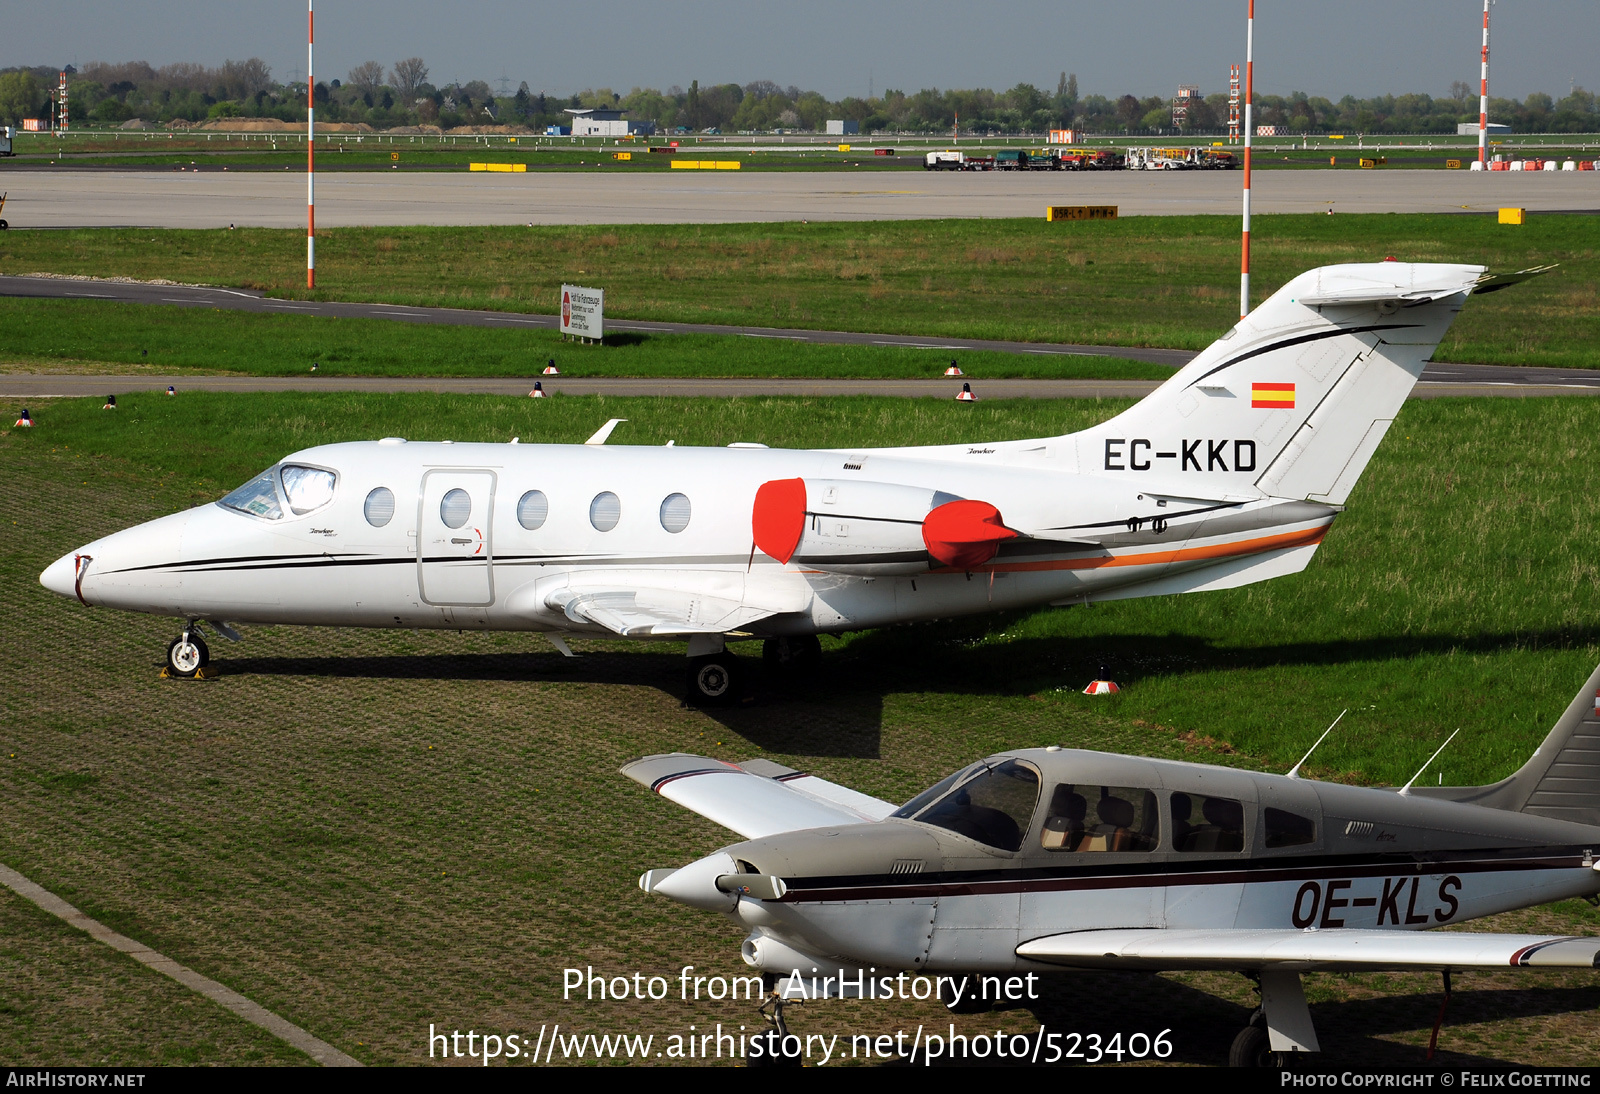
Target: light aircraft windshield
<point x="993" y="807"/>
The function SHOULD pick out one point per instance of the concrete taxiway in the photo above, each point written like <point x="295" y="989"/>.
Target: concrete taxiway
<point x="63" y="197"/>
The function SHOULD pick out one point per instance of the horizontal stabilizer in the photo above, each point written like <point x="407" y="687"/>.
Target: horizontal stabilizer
<point x="1337" y="950"/>
<point x="760" y="798"/>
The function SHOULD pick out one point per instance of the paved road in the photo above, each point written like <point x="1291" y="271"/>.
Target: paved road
<point x="1438" y="379"/>
<point x="56" y="198"/>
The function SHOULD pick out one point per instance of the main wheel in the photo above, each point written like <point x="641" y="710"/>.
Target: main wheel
<point x="3" y="225"/>
<point x="187" y="655"/>
<point x="714" y="679"/>
<point x="797" y="654"/>
<point x="1252" y="1048"/>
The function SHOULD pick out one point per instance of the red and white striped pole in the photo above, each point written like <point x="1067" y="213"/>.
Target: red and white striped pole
<point x="1483" y="96"/>
<point x="1249" y="129"/>
<point x="311" y="152"/>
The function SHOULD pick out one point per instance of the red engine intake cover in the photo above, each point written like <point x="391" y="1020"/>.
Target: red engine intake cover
<point x="778" y="518"/>
<point x="964" y="533"/>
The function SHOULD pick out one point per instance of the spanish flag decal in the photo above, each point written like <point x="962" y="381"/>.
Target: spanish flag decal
<point x="1272" y="396"/>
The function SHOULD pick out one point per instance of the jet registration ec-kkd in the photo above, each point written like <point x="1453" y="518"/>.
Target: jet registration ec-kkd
<point x="1231" y="472"/>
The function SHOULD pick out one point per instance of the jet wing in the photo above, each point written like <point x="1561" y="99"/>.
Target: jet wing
<point x="636" y="603"/>
<point x="1341" y="950"/>
<point x="757" y="798"/>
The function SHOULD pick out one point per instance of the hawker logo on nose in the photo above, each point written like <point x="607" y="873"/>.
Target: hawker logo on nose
<point x="1140" y="454"/>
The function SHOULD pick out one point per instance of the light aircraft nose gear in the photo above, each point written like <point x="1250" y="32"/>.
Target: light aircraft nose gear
<point x="714" y="679"/>
<point x="774" y="1052"/>
<point x="188" y="653"/>
<point x="796" y="654"/>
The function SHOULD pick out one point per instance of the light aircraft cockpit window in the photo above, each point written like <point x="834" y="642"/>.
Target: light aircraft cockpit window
<point x="604" y="511"/>
<point x="1285" y="829"/>
<point x="675" y="512"/>
<point x="994" y="807"/>
<point x="258" y="497"/>
<point x="1200" y="823"/>
<point x="532" y="508"/>
<point x="379" y="507"/>
<point x="455" y="507"/>
<point x="307" y="488"/>
<point x="1101" y="818"/>
<point x="937" y="790"/>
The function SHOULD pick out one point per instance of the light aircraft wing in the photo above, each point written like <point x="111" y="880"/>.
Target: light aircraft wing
<point x="755" y="799"/>
<point x="1352" y="950"/>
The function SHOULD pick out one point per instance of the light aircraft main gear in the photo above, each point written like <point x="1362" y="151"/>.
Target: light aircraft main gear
<point x="1049" y="859"/>
<point x="714" y="679"/>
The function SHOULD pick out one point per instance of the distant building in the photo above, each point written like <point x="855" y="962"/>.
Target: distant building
<point x="1063" y="136"/>
<point x="1470" y="129"/>
<point x="846" y="128"/>
<point x="1272" y="130"/>
<point x="606" y="123"/>
<point x="1187" y="96"/>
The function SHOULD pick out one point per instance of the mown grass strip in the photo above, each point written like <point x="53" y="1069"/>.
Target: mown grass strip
<point x="1140" y="281"/>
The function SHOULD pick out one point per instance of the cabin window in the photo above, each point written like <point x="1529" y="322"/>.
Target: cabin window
<point x="994" y="807"/>
<point x="675" y="512"/>
<point x="604" y="511"/>
<point x="379" y="507"/>
<point x="258" y="497"/>
<point x="532" y="509"/>
<point x="1286" y="829"/>
<point x="1201" y="823"/>
<point x="1101" y="818"/>
<point x="455" y="507"/>
<point x="307" y="488"/>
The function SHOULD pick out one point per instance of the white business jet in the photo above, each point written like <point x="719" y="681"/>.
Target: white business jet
<point x="1231" y="472"/>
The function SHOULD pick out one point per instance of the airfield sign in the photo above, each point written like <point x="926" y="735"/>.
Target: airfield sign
<point x="583" y="312"/>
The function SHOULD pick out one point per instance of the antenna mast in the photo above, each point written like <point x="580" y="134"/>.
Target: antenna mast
<point x="1406" y="789"/>
<point x="311" y="152"/>
<point x="1483" y="95"/>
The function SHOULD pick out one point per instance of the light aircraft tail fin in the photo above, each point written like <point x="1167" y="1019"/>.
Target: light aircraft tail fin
<point x="1562" y="777"/>
<point x="1293" y="401"/>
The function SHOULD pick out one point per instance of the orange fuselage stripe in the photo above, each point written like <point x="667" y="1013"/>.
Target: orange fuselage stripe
<point x="1304" y="537"/>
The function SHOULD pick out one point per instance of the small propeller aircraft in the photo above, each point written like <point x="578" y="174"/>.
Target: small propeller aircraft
<point x="1047" y="859"/>
<point x="1230" y="473"/>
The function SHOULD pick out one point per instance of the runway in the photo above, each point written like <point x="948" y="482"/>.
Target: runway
<point x="66" y="198"/>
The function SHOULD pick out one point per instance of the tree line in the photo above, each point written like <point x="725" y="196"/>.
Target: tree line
<point x="106" y="95"/>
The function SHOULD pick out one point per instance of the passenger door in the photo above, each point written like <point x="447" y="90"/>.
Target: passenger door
<point x="455" y="537"/>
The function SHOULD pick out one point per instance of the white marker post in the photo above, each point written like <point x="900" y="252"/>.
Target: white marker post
<point x="311" y="151"/>
<point x="1483" y="96"/>
<point x="1249" y="129"/>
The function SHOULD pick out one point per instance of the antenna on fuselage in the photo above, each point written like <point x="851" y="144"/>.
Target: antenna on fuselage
<point x="1406" y="789"/>
<point x="1294" y="772"/>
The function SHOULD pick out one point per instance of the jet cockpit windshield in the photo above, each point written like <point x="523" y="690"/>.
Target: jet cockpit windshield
<point x="292" y="486"/>
<point x="991" y="802"/>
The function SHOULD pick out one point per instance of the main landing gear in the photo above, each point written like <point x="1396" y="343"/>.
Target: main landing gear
<point x="188" y="653"/>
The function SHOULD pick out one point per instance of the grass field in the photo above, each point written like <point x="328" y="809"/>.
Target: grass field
<point x="368" y="832"/>
<point x="369" y="152"/>
<point x="105" y="337"/>
<point x="1142" y="281"/>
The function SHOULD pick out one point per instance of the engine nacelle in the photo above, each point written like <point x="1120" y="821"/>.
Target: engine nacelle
<point x="846" y="526"/>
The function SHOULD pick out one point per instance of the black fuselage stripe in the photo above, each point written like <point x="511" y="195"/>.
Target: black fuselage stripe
<point x="1301" y="340"/>
<point x="1070" y="877"/>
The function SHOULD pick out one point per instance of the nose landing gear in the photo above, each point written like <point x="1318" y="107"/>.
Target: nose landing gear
<point x="188" y="654"/>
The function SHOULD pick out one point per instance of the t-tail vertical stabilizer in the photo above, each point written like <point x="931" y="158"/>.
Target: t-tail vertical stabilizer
<point x="1292" y="402"/>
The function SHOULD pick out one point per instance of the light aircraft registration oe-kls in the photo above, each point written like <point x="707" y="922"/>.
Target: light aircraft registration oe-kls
<point x="1049" y="859"/>
<point x="1231" y="472"/>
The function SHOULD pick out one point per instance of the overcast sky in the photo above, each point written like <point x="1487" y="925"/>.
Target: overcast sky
<point x="843" y="47"/>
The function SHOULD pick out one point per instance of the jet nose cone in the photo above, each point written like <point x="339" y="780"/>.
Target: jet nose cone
<point x="61" y="576"/>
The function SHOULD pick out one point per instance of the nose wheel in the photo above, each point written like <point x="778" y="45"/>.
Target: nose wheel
<point x="187" y="655"/>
